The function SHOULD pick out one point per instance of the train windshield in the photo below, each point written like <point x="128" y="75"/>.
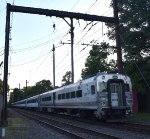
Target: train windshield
<point x="115" y="88"/>
<point x="102" y="87"/>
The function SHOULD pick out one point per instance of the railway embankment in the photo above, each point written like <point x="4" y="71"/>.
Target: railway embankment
<point x="19" y="127"/>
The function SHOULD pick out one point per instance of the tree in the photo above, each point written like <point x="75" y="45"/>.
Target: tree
<point x="98" y="60"/>
<point x="67" y="78"/>
<point x="134" y="17"/>
<point x="40" y="87"/>
<point x="43" y="86"/>
<point x="15" y="95"/>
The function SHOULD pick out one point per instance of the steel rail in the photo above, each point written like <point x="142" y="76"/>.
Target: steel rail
<point x="89" y="131"/>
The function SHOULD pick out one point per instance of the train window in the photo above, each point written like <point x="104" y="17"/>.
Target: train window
<point x="59" y="96"/>
<point x="79" y="93"/>
<point x="92" y="89"/>
<point x="72" y="94"/>
<point x="126" y="87"/>
<point x="32" y="101"/>
<point x="47" y="98"/>
<point x="63" y="96"/>
<point x="67" y="95"/>
<point x="103" y="87"/>
<point x="42" y="99"/>
<point x="23" y="102"/>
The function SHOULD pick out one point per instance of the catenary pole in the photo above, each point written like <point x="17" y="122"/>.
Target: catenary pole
<point x="72" y="41"/>
<point x="53" y="65"/>
<point x="7" y="33"/>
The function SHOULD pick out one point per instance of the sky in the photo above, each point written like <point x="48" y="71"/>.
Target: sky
<point x="33" y="36"/>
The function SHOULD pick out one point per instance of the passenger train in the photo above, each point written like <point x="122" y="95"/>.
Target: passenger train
<point x="105" y="96"/>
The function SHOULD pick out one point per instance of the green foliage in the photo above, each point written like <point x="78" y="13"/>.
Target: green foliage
<point x="40" y="87"/>
<point x="16" y="95"/>
<point x="43" y="86"/>
<point x="67" y="78"/>
<point x="98" y="60"/>
<point x="1" y="86"/>
<point x="134" y="17"/>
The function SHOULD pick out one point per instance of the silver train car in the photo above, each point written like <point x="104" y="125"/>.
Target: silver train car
<point x="105" y="96"/>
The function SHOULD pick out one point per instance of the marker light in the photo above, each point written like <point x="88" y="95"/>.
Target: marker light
<point x="125" y="78"/>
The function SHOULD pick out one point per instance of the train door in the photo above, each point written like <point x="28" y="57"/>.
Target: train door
<point x="116" y="93"/>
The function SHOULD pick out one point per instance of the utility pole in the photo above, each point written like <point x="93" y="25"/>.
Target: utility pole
<point x="118" y="40"/>
<point x="26" y="84"/>
<point x="53" y="65"/>
<point x="19" y="86"/>
<point x="7" y="33"/>
<point x="72" y="40"/>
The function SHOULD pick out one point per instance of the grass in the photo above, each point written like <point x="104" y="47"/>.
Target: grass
<point x="16" y="126"/>
<point x="141" y="116"/>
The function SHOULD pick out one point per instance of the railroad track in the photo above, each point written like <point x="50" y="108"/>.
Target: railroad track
<point x="72" y="130"/>
<point x="128" y="126"/>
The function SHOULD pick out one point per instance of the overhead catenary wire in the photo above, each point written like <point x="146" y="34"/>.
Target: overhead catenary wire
<point x="40" y="65"/>
<point x="33" y="60"/>
<point x="64" y="68"/>
<point x="92" y="5"/>
<point x="36" y="45"/>
<point x="95" y="31"/>
<point x="79" y="41"/>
